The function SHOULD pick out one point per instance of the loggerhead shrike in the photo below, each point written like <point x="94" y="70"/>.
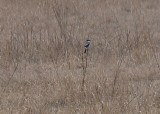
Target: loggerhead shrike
<point x="87" y="45"/>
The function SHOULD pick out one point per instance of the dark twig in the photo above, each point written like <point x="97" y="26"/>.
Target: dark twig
<point x="12" y="75"/>
<point x="84" y="68"/>
<point x="84" y="72"/>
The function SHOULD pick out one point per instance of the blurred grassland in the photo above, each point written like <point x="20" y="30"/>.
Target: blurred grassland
<point x="41" y="48"/>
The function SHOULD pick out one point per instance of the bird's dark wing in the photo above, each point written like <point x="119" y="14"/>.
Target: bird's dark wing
<point x="87" y="45"/>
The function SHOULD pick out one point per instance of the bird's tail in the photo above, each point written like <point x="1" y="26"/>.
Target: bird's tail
<point x="85" y="50"/>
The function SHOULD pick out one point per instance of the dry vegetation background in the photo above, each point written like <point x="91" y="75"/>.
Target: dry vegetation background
<point x="41" y="46"/>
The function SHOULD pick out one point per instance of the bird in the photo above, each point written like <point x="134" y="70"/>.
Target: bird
<point x="87" y="45"/>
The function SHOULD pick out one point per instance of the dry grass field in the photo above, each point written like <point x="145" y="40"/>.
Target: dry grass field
<point x="42" y="62"/>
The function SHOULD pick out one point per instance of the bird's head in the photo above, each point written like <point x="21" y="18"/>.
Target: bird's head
<point x="88" y="40"/>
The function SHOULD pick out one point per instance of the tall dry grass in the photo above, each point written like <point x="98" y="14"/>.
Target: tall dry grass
<point x="41" y="50"/>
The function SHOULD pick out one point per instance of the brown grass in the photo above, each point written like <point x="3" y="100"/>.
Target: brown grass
<point x="41" y="48"/>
